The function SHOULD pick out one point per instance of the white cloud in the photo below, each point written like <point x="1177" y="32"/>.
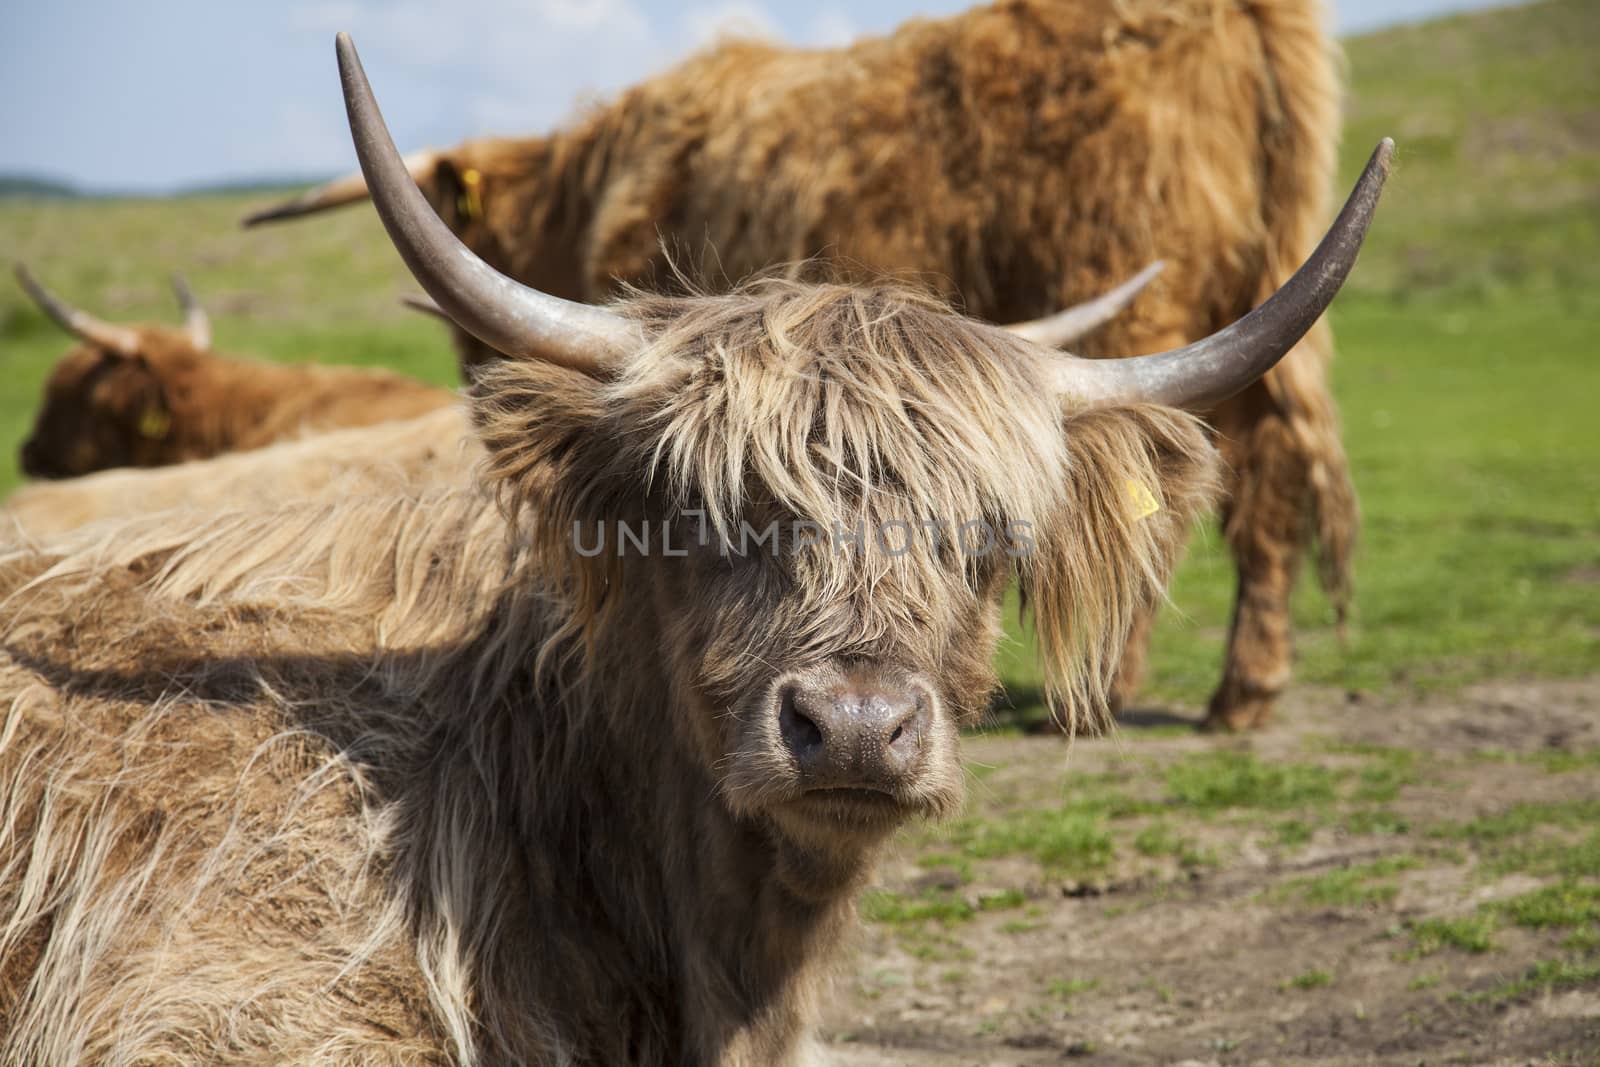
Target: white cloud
<point x="831" y="28"/>
<point x="502" y="66"/>
<point x="446" y="73"/>
<point x="706" y="24"/>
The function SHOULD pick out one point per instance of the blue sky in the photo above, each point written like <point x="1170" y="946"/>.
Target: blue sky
<point x="157" y="94"/>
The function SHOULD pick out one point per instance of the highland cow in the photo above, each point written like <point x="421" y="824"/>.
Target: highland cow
<point x="149" y="396"/>
<point x="1015" y="158"/>
<point x="412" y="778"/>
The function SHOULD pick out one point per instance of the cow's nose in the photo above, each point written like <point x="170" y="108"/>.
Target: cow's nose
<point x="855" y="734"/>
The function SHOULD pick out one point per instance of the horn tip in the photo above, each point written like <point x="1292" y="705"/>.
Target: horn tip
<point x="307" y="203"/>
<point x="1383" y="155"/>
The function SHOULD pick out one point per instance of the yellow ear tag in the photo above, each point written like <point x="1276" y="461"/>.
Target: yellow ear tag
<point x="1144" y="502"/>
<point x="471" y="199"/>
<point x="154" y="423"/>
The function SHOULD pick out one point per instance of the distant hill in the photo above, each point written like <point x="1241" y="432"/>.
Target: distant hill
<point x="39" y="187"/>
<point x="252" y="186"/>
<point x="36" y="186"/>
<point x="1496" y="115"/>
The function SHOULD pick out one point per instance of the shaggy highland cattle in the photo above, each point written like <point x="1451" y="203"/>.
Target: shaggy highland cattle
<point x="412" y="778"/>
<point x="1015" y="159"/>
<point x="149" y="396"/>
<point x="436" y="449"/>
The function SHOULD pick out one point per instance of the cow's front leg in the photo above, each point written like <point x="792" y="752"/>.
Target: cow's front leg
<point x="1265" y="521"/>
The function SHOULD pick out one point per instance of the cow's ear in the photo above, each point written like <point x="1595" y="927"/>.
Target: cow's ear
<point x="1138" y="477"/>
<point x="456" y="190"/>
<point x="543" y="427"/>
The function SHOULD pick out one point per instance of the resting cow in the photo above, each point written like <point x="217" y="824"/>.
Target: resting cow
<point x="147" y="396"/>
<point x="410" y="778"/>
<point x="1016" y="158"/>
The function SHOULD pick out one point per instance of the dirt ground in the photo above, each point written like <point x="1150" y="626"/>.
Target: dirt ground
<point x="1365" y="883"/>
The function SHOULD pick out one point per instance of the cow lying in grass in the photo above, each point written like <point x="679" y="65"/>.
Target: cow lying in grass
<point x="148" y="396"/>
<point x="410" y="778"/>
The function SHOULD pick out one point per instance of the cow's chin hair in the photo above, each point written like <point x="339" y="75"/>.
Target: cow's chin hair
<point x="842" y="819"/>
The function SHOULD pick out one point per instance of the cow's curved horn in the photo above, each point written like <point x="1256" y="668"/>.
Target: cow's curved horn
<point x="123" y="340"/>
<point x="195" y="320"/>
<point x="504" y="314"/>
<point x="347" y="189"/>
<point x="1200" y="375"/>
<point x="1080" y="320"/>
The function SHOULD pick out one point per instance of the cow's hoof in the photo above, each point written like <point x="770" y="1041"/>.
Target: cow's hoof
<point x="1237" y="715"/>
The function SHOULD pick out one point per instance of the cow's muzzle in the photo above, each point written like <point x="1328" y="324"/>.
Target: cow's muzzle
<point x="855" y="730"/>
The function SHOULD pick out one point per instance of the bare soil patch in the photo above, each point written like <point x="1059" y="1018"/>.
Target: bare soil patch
<point x="1369" y="882"/>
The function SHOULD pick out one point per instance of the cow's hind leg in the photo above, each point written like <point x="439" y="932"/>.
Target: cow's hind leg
<point x="1265" y="520"/>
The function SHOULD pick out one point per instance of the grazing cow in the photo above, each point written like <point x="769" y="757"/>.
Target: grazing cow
<point x="412" y="778"/>
<point x="429" y="450"/>
<point x="148" y="396"/>
<point x="1016" y="158"/>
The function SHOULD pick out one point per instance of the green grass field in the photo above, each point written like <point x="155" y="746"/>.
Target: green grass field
<point x="1467" y="374"/>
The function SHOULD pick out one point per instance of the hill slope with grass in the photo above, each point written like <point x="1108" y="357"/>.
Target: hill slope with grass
<point x="1467" y="352"/>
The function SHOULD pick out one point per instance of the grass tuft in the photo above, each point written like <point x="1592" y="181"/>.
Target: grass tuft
<point x="1216" y="781"/>
<point x="1312" y="979"/>
<point x="1468" y="933"/>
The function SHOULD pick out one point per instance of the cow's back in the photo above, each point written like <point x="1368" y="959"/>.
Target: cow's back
<point x="1016" y="158"/>
<point x="322" y="398"/>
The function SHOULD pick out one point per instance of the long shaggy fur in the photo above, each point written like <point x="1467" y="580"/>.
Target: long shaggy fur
<point x="436" y="448"/>
<point x="1015" y="159"/>
<point x="404" y="779"/>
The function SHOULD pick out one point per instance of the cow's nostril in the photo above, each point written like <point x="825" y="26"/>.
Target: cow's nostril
<point x="800" y="732"/>
<point x="904" y="744"/>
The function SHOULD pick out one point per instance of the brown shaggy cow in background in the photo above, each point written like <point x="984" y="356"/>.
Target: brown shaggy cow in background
<point x="1016" y="158"/>
<point x="412" y="778"/>
<point x="148" y="396"/>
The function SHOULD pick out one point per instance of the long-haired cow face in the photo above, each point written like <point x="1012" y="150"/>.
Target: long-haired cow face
<point x="104" y="408"/>
<point x="816" y="497"/>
